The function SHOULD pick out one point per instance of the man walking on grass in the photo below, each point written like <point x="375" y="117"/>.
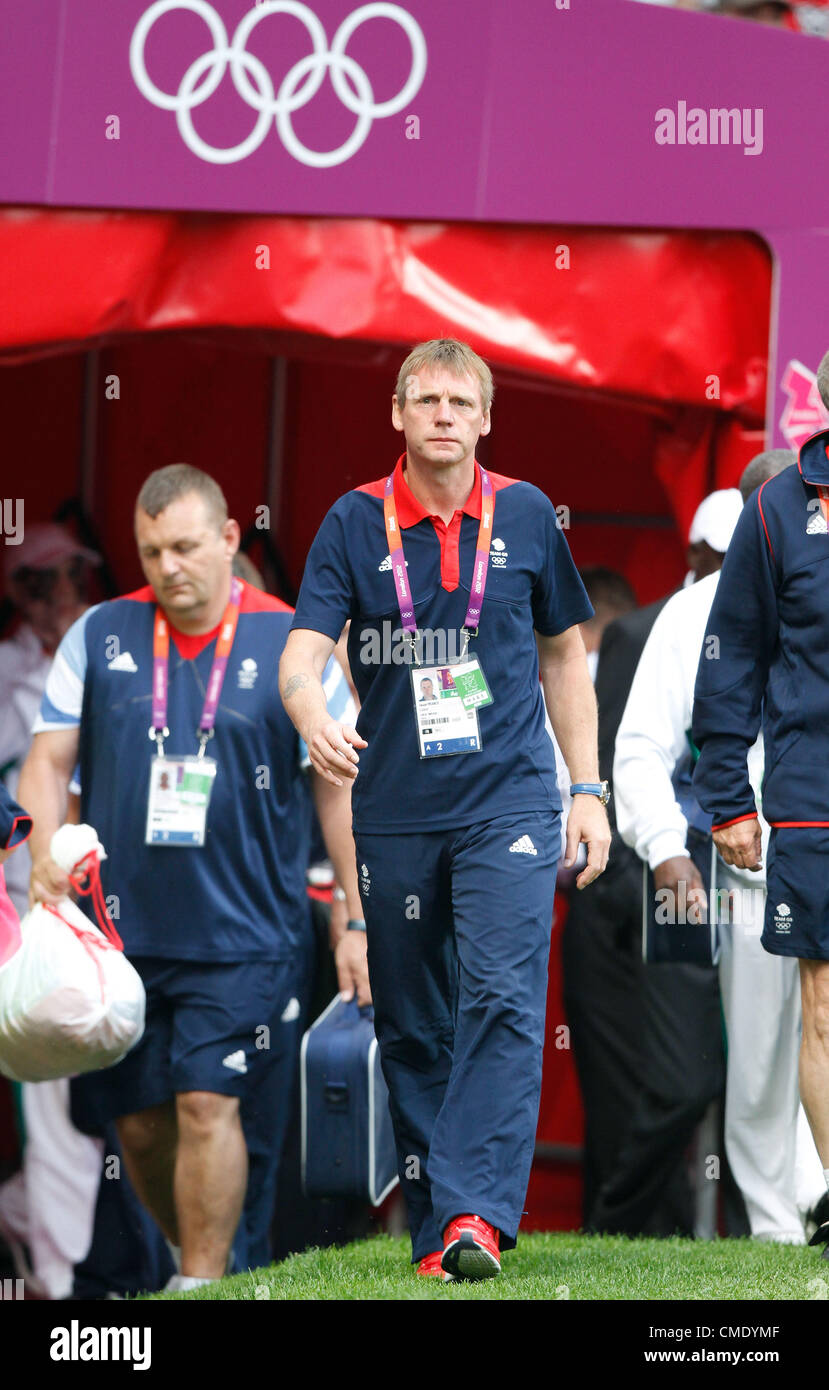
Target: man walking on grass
<point x="455" y="802"/>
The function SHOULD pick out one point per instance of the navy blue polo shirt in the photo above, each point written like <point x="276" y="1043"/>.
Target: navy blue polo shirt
<point x="532" y="586"/>
<point x="242" y="896"/>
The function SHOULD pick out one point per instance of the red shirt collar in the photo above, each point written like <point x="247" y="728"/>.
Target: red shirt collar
<point x="190" y="645"/>
<point x="410" y="511"/>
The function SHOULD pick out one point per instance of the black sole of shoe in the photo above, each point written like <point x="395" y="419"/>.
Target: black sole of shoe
<point x="465" y="1259"/>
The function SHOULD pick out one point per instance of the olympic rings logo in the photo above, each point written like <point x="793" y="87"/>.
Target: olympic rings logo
<point x="299" y="85"/>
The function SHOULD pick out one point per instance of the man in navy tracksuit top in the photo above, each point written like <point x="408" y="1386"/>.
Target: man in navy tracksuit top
<point x="460" y="586"/>
<point x="766" y="654"/>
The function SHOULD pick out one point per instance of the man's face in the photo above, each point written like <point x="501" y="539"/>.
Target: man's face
<point x="761" y="13"/>
<point x="442" y="417"/>
<point x="51" y="599"/>
<point x="185" y="554"/>
<point x="703" y="560"/>
<point x="427" y="689"/>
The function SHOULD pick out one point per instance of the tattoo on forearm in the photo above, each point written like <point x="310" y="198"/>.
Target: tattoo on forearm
<point x="296" y="683"/>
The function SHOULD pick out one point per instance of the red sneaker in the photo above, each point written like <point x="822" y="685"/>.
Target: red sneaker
<point x="430" y="1264"/>
<point x="470" y="1249"/>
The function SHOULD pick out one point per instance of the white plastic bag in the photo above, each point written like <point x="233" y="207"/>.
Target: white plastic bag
<point x="70" y="1001"/>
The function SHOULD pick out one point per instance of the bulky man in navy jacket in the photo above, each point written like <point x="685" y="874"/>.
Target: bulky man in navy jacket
<point x="766" y="658"/>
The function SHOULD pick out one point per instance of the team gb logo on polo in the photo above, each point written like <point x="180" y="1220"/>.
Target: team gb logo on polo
<point x="297" y="87"/>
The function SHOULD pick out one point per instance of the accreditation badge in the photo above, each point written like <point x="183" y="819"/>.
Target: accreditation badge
<point x="445" y="723"/>
<point x="180" y="791"/>
<point x="470" y="683"/>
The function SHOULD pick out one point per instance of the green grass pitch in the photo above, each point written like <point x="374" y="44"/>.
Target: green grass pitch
<point x="545" y="1266"/>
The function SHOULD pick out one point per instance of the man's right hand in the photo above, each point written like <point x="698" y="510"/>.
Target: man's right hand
<point x="331" y="748"/>
<point x="681" y="869"/>
<point x="49" y="882"/>
<point x="350" y="959"/>
<point x="741" y="844"/>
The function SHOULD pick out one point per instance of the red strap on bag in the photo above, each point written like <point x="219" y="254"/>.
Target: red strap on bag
<point x="88" y="937"/>
<point x="90" y="868"/>
<point x="86" y="880"/>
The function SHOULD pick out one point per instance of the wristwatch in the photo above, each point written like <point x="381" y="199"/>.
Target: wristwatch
<point x="356" y="924"/>
<point x="599" y="789"/>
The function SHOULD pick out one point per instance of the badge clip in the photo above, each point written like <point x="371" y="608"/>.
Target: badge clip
<point x="466" y="633"/>
<point x="413" y="639"/>
<point x="204" y="736"/>
<point x="158" y="735"/>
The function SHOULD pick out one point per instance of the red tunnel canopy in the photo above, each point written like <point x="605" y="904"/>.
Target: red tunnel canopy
<point x="630" y="365"/>
<point x="646" y="314"/>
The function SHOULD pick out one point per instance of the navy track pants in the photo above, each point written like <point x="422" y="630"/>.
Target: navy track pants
<point x="458" y="925"/>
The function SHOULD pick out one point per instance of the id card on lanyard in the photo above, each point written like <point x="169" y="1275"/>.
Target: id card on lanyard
<point x="446" y="699"/>
<point x="180" y="788"/>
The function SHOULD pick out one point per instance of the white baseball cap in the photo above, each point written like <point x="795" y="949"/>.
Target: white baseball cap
<point x="715" y="518"/>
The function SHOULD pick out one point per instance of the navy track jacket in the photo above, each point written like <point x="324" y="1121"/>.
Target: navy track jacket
<point x="766" y="655"/>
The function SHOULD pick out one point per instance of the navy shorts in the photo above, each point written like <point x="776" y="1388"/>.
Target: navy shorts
<point x="797" y="906"/>
<point x="205" y="1031"/>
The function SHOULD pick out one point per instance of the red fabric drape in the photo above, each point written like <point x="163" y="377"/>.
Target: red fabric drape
<point x="647" y="314"/>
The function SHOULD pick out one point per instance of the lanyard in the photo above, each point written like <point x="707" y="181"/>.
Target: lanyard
<point x="394" y="537"/>
<point x="161" y="654"/>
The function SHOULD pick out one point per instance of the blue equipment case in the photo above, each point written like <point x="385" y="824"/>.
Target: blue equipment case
<point x="348" y="1145"/>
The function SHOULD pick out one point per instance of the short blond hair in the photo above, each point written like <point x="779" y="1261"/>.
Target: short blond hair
<point x="451" y="355"/>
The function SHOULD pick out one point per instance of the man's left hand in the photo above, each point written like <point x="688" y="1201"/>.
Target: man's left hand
<point x="741" y="844"/>
<point x="588" y="823"/>
<point x="352" y="966"/>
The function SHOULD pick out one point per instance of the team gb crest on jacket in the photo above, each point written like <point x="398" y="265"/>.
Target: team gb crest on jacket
<point x="248" y="671"/>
